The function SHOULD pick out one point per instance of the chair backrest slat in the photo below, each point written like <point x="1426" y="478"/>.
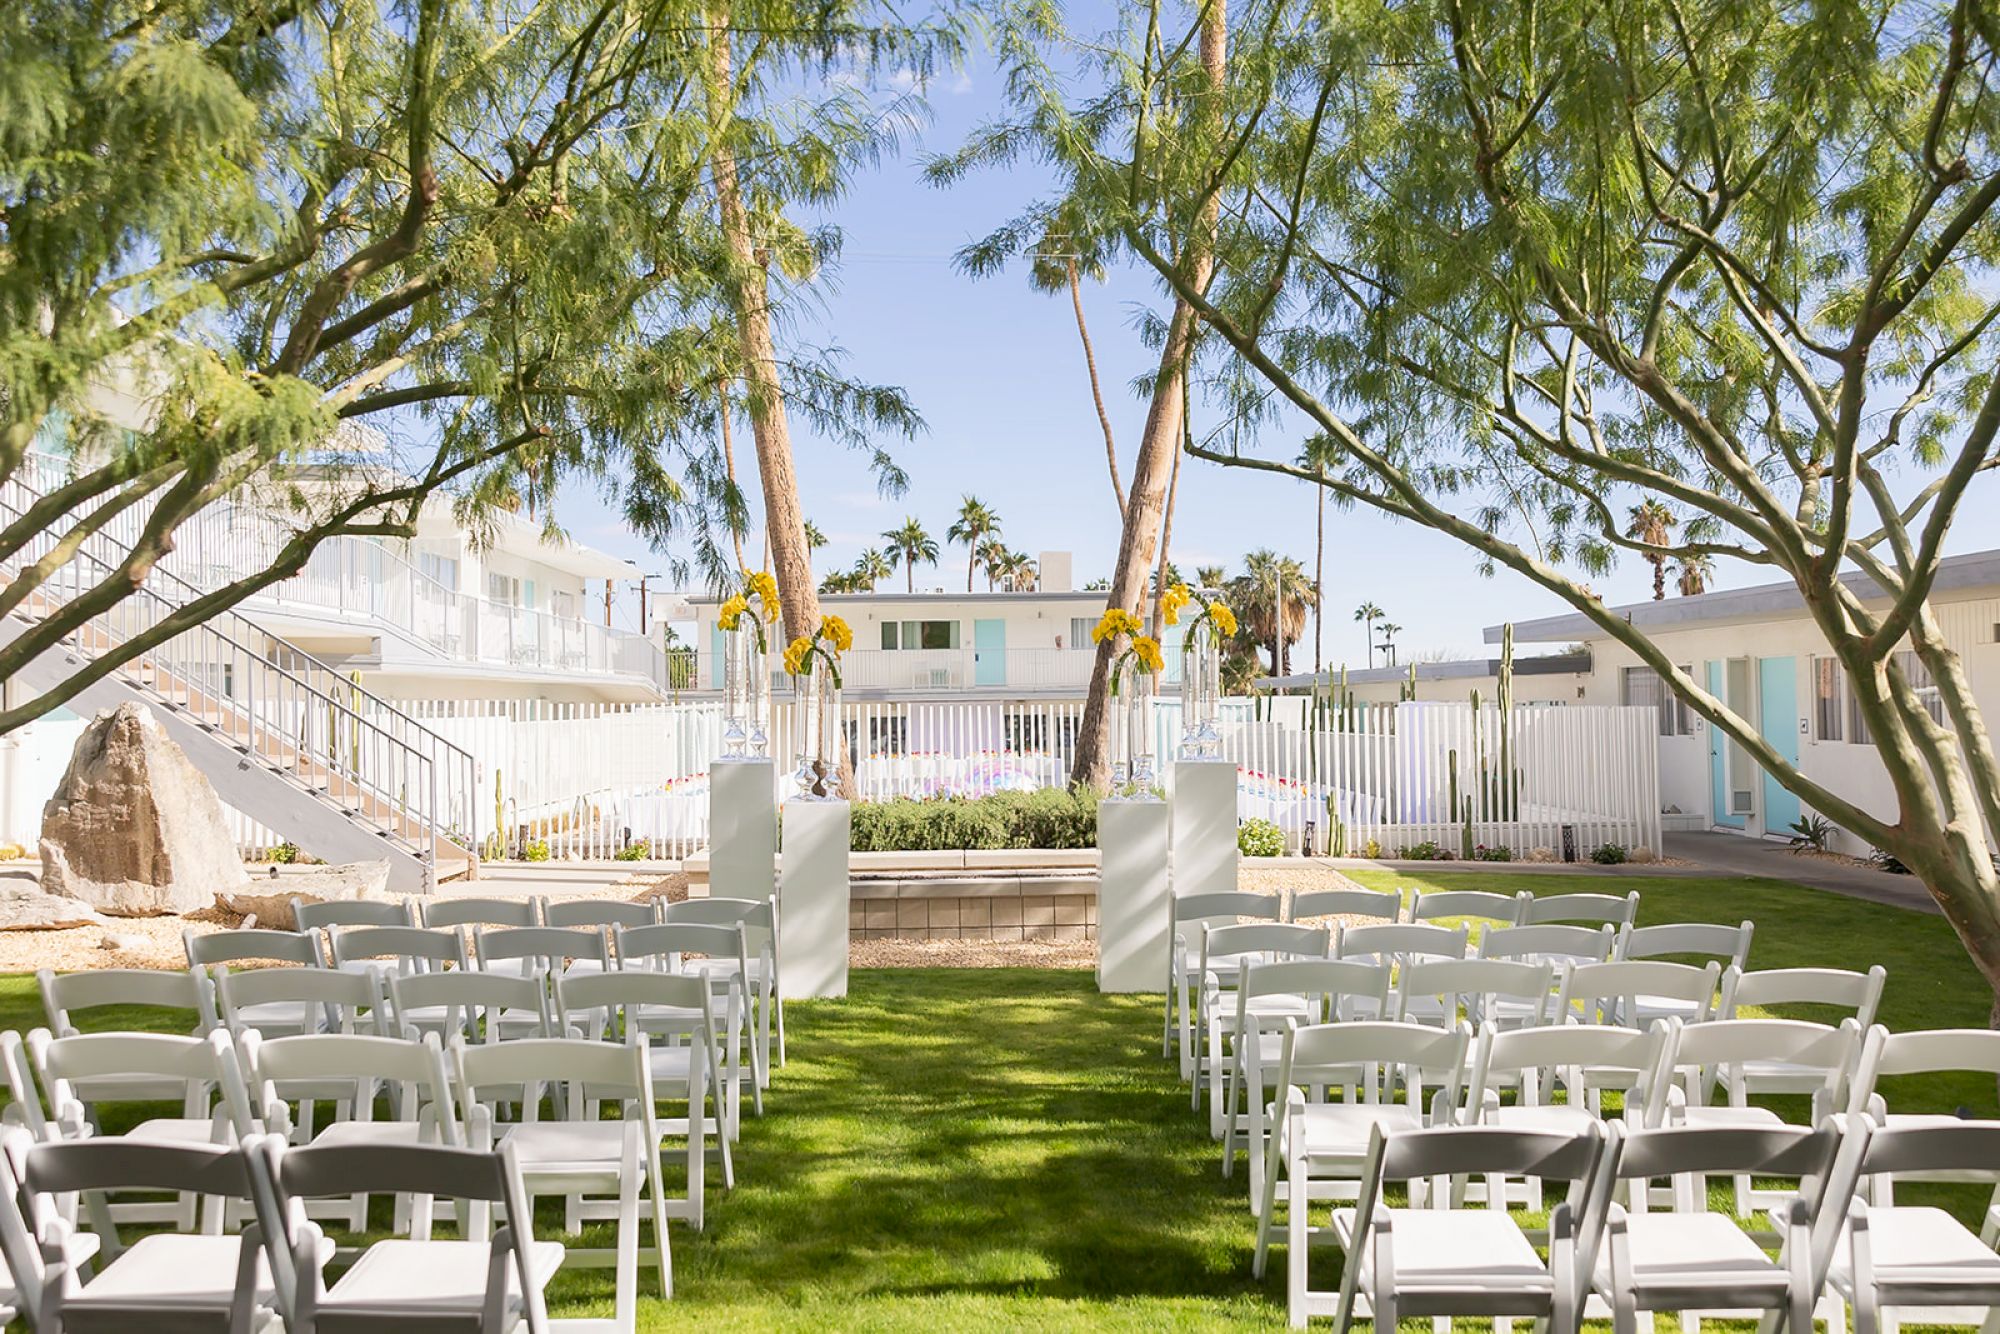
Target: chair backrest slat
<point x="294" y="947"/>
<point x="445" y="912"/>
<point x="353" y="912"/>
<point x="1430" y="905"/>
<point x="1385" y="904"/>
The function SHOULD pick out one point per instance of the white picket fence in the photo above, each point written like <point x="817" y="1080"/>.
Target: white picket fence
<point x="589" y="780"/>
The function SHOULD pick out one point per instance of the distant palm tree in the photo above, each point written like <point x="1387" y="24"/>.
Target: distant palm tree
<point x="1211" y="576"/>
<point x="993" y="556"/>
<point x="1020" y="572"/>
<point x="871" y="567"/>
<point x="1653" y="523"/>
<point x="1389" y="633"/>
<point x="1271" y="602"/>
<point x="815" y="539"/>
<point x="1694" y="569"/>
<point x="840" y="581"/>
<point x="1368" y="613"/>
<point x="975" y="523"/>
<point x="909" y="545"/>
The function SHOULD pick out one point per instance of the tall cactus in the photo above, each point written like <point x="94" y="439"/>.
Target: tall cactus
<point x="1510" y="777"/>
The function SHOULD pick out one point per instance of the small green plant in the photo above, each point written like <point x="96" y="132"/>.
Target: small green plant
<point x="1498" y="853"/>
<point x="638" y="850"/>
<point x="1610" y="854"/>
<point x="285" y="854"/>
<point x="1426" y="851"/>
<point x="1811" y="833"/>
<point x="1260" y="838"/>
<point x="1372" y="850"/>
<point x="537" y="851"/>
<point x="1884" y="860"/>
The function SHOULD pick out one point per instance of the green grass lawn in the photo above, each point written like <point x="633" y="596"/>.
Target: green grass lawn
<point x="1006" y="1148"/>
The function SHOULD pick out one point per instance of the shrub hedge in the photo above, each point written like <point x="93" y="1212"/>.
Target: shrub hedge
<point x="1050" y="818"/>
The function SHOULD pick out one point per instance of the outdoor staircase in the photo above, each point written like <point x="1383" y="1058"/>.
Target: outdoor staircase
<point x="285" y="738"/>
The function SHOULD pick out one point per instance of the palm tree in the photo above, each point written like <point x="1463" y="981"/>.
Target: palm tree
<point x="840" y="581"/>
<point x="909" y="545"/>
<point x="993" y="554"/>
<point x="1211" y="576"/>
<point x="1272" y="598"/>
<point x="871" y="567"/>
<point x="1020" y="572"/>
<point x="1389" y="633"/>
<point x="1694" y="569"/>
<point x="1368" y="613"/>
<point x="815" y="539"/>
<point x="1653" y="523"/>
<point x="975" y="522"/>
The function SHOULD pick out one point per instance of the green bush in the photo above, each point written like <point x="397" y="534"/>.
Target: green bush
<point x="285" y="854"/>
<point x="1260" y="838"/>
<point x="537" y="851"/>
<point x="1498" y="853"/>
<point x="638" y="850"/>
<point x="1049" y="818"/>
<point x="1426" y="851"/>
<point x="1611" y="854"/>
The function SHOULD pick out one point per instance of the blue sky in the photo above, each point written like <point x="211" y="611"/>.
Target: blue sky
<point x="996" y="370"/>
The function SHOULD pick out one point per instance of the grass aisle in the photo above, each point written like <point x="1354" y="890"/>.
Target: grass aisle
<point x="1006" y="1148"/>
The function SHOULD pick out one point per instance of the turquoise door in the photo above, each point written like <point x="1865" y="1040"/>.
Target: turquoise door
<point x="715" y="657"/>
<point x="1718" y="776"/>
<point x="989" y="653"/>
<point x="1778" y="720"/>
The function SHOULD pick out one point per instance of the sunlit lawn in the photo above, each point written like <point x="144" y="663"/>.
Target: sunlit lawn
<point x="1006" y="1148"/>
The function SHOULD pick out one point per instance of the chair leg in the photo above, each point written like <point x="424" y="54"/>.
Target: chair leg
<point x="657" y="1196"/>
<point x="625" y="1286"/>
<point x="1296" y="1247"/>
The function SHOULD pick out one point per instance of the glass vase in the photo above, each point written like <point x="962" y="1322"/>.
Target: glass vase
<point x="1201" y="689"/>
<point x="736" y="692"/>
<point x="817" y="732"/>
<point x="1138" y="700"/>
<point x="1120" y="738"/>
<point x="757" y="714"/>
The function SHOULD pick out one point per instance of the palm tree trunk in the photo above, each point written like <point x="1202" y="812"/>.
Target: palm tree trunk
<point x="1166" y="540"/>
<point x="1659" y="578"/>
<point x="1319" y="585"/>
<point x="729" y="464"/>
<point x="784" y="521"/>
<point x="909" y="573"/>
<point x="1139" y="533"/>
<point x="1096" y="389"/>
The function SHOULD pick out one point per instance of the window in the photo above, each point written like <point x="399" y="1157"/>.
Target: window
<point x="920" y="634"/>
<point x="1644" y="688"/>
<point x="503" y="588"/>
<point x="1079" y="632"/>
<point x="1857" y="726"/>
<point x="1827" y="684"/>
<point x="440" y="569"/>
<point x="1922" y="686"/>
<point x="889" y="736"/>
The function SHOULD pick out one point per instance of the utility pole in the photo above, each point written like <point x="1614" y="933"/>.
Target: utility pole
<point x="607" y="604"/>
<point x="642" y="601"/>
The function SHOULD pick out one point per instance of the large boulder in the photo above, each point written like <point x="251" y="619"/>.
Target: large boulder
<point x="23" y="907"/>
<point x="269" y="900"/>
<point x="134" y="829"/>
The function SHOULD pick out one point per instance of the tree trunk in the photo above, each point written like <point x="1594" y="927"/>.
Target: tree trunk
<point x="1319" y="588"/>
<point x="1166" y="542"/>
<point x="729" y="464"/>
<point x="1139" y="535"/>
<point x="784" y="521"/>
<point x="1096" y="388"/>
<point x="1659" y="578"/>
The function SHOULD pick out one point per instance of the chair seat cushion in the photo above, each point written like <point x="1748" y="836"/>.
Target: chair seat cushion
<point x="558" y="1145"/>
<point x="1342" y="1129"/>
<point x="177" y="1130"/>
<point x="1561" y="1116"/>
<point x="1682" y="1252"/>
<point x="371" y="1132"/>
<point x="1917" y="1246"/>
<point x="1747" y="1117"/>
<point x="169" y="1269"/>
<point x="1456" y="1249"/>
<point x="401" y="1278"/>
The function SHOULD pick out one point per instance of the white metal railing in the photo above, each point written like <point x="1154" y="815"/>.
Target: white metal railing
<point x="356" y="576"/>
<point x="278" y="706"/>
<point x="586" y="778"/>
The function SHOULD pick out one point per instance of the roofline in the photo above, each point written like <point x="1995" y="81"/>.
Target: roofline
<point x="1972" y="570"/>
<point x="1093" y="596"/>
<point x="1545" y="664"/>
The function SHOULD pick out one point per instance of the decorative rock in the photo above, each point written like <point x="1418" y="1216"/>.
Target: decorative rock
<point x="25" y="908"/>
<point x="1541" y="854"/>
<point x="134" y="829"/>
<point x="270" y="900"/>
<point x="123" y="940"/>
<point x="1642" y="853"/>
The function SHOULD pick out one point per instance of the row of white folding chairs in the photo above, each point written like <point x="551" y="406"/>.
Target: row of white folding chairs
<point x="1502" y="993"/>
<point x="1223" y="955"/>
<point x="267" y="1086"/>
<point x="1407" y="1076"/>
<point x="273" y="1274"/>
<point x="1522" y="908"/>
<point x="1427" y="1257"/>
<point x="1595" y="936"/>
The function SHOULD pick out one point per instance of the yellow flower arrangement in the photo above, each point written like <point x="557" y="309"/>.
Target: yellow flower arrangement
<point x="1147" y="650"/>
<point x="836" y="633"/>
<point x="1115" y="621"/>
<point x="1172" y="601"/>
<point x="763" y="587"/>
<point x="796" y="654"/>
<point x="732" y="611"/>
<point x="1225" y="619"/>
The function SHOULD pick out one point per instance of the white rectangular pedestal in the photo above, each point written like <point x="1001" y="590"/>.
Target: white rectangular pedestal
<point x="1134" y="905"/>
<point x="742" y="829"/>
<point x="813" y="901"/>
<point x="1204" y="827"/>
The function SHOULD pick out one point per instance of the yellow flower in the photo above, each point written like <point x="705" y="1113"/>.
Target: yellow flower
<point x="763" y="587"/>
<point x="1225" y="619"/>
<point x="1147" y="650"/>
<point x="796" y="654"/>
<point x="1172" y="601"/>
<point x="1115" y="621"/>
<point x="836" y="632"/>
<point x="732" y="612"/>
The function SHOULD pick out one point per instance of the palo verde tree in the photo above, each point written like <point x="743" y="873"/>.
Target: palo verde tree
<point x="484" y="239"/>
<point x="1525" y="267"/>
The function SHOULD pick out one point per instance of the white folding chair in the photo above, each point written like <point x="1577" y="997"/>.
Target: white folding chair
<point x="1617" y="910"/>
<point x="1507" y="993"/>
<point x="1317" y="1149"/>
<point x="1549" y="943"/>
<point x="65" y="996"/>
<point x="327" y="917"/>
<point x="280" y="1002"/>
<point x="579" y="1154"/>
<point x="1920" y="1262"/>
<point x="719" y="954"/>
<point x="471" y="1004"/>
<point x="761" y="944"/>
<point x="1442" y="1262"/>
<point x="445" y="913"/>
<point x="218" y="947"/>
<point x="396" y="949"/>
<point x="1725" y="1054"/>
<point x="1620" y="991"/>
<point x="1908" y="1057"/>
<point x="1727" y="945"/>
<point x="165" y="1280"/>
<point x="1693" y="1261"/>
<point x="25" y="1271"/>
<point x="352" y="1069"/>
<point x="1189" y="916"/>
<point x="602" y="914"/>
<point x="1237" y="948"/>
<point x="1432" y="904"/>
<point x="410" y="1283"/>
<point x="1860" y="994"/>
<point x="1383" y="904"/>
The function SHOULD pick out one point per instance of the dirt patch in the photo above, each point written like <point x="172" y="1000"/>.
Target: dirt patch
<point x="969" y="953"/>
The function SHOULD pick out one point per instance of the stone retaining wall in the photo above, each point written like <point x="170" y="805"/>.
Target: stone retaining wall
<point x="1000" y="908"/>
